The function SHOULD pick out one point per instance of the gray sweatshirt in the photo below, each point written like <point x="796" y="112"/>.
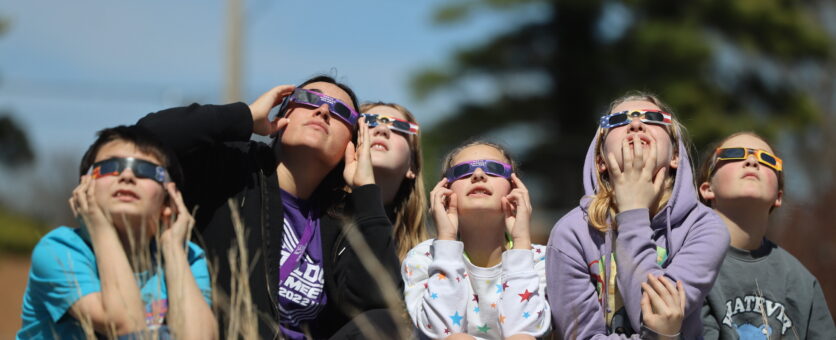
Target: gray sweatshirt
<point x="767" y="284"/>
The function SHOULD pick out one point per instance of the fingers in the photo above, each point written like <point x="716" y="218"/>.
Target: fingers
<point x="452" y="203"/>
<point x="682" y="297"/>
<point x="363" y="141"/>
<point x="656" y="301"/>
<point x="176" y="199"/>
<point x="73" y="200"/>
<point x="518" y="200"/>
<point x="260" y="109"/>
<point x="279" y="124"/>
<point x="517" y="182"/>
<point x="627" y="155"/>
<point x="80" y="195"/>
<point x="638" y="153"/>
<point x="667" y="298"/>
<point x="350" y="153"/>
<point x="612" y="164"/>
<point x="650" y="158"/>
<point x="507" y="207"/>
<point x="273" y="97"/>
<point x="437" y="194"/>
<point x="669" y="286"/>
<point x="647" y="310"/>
<point x="523" y="191"/>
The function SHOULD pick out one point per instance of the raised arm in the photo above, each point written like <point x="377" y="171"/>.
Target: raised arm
<point x="118" y="308"/>
<point x="355" y="280"/>
<point x="189" y="315"/>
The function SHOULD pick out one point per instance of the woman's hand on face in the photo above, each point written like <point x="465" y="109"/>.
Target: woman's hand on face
<point x="177" y="221"/>
<point x="84" y="205"/>
<point x="358" y="163"/>
<point x="663" y="305"/>
<point x="517" y="208"/>
<point x="444" y="209"/>
<point x="636" y="186"/>
<point x="260" y="109"/>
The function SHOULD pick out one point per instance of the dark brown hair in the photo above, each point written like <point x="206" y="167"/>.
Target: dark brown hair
<point x="144" y="141"/>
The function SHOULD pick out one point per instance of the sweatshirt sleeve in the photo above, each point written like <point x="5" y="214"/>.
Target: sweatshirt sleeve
<point x="821" y="322"/>
<point x="190" y="128"/>
<point x="356" y="286"/>
<point x="696" y="263"/>
<point x="576" y="311"/>
<point x="523" y="308"/>
<point x="436" y="290"/>
<point x="199" y="136"/>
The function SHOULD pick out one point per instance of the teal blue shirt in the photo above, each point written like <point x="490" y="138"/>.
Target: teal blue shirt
<point x="64" y="269"/>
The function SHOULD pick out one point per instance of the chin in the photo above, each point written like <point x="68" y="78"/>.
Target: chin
<point x="482" y="206"/>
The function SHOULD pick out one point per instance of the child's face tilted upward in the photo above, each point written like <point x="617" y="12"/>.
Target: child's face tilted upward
<point x="391" y="152"/>
<point x="480" y="191"/>
<point x="125" y="196"/>
<point x="747" y="179"/>
<point x="637" y="131"/>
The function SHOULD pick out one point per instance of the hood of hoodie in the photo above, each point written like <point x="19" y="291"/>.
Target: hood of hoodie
<point x="683" y="197"/>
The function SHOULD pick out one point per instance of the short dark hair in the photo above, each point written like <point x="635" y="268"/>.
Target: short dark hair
<point x="144" y="141"/>
<point x="328" y="79"/>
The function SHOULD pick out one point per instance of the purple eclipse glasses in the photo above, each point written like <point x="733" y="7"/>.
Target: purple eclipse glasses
<point x="490" y="167"/>
<point x="305" y="97"/>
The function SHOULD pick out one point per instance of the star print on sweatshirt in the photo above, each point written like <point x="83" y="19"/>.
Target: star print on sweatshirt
<point x="445" y="293"/>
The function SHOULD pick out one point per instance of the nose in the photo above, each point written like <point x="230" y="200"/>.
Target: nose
<point x="751" y="160"/>
<point x="381" y="130"/>
<point x="636" y="125"/>
<point x="127" y="175"/>
<point x="478" y="176"/>
<point x="323" y="111"/>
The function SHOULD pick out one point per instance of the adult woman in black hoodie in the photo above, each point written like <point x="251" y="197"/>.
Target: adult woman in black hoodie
<point x="305" y="163"/>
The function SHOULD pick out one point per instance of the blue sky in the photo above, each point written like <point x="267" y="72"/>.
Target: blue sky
<point x="68" y="69"/>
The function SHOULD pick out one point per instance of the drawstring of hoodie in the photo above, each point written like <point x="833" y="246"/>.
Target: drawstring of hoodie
<point x="668" y="235"/>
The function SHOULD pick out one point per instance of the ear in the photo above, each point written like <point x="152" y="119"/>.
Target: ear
<point x="601" y="165"/>
<point x="410" y="174"/>
<point x="167" y="212"/>
<point x="706" y="192"/>
<point x="674" y="161"/>
<point x="779" y="199"/>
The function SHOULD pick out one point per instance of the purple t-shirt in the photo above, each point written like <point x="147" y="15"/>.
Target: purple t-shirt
<point x="302" y="295"/>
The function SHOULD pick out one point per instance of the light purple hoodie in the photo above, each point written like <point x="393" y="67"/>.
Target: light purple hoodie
<point x="694" y="239"/>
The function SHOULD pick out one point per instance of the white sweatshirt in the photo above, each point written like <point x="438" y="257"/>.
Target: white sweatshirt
<point x="445" y="293"/>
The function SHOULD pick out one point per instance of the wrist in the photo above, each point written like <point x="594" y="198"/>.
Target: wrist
<point x="522" y="242"/>
<point x="168" y="245"/>
<point x="650" y="333"/>
<point x="446" y="236"/>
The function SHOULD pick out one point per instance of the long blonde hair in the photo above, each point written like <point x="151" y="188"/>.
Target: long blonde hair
<point x="602" y="209"/>
<point x="408" y="227"/>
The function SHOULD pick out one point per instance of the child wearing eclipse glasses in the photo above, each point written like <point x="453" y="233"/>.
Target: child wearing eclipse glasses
<point x="640" y="253"/>
<point x="762" y="291"/>
<point x="481" y="277"/>
<point x="129" y="269"/>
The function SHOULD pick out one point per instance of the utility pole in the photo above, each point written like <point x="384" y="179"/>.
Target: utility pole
<point x="234" y="50"/>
